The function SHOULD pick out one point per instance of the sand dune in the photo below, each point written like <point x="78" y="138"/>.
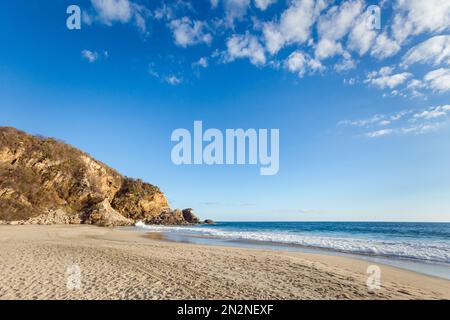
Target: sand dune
<point x="38" y="262"/>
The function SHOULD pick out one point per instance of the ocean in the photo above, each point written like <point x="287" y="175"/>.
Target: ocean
<point x="421" y="247"/>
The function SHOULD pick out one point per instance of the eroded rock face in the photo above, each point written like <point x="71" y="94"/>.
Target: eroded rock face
<point x="102" y="214"/>
<point x="43" y="180"/>
<point x="139" y="201"/>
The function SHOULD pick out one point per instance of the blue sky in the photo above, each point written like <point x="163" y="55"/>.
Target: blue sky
<point x="363" y="113"/>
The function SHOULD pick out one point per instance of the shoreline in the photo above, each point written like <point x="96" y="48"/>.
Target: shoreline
<point x="428" y="268"/>
<point x="122" y="264"/>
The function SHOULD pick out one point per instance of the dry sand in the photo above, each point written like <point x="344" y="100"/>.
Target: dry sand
<point x="122" y="264"/>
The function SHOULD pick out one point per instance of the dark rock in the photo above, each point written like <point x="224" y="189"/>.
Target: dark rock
<point x="208" y="221"/>
<point x="189" y="216"/>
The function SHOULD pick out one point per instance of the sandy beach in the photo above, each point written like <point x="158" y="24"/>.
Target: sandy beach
<point x="37" y="262"/>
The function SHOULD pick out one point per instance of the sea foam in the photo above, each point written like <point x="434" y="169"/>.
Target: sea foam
<point x="436" y="251"/>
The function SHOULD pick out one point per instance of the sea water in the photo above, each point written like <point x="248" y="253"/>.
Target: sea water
<point x="422" y="247"/>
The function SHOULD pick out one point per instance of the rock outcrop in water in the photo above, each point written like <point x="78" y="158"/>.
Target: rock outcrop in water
<point x="46" y="181"/>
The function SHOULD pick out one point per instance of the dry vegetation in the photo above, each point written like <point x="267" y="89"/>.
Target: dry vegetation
<point x="39" y="174"/>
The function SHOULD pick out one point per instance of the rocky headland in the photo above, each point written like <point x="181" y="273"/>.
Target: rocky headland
<point x="46" y="181"/>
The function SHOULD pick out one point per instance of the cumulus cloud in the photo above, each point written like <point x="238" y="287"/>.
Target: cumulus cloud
<point x="438" y="80"/>
<point x="245" y="46"/>
<point x="361" y="38"/>
<point x="414" y="17"/>
<point x="300" y="63"/>
<point x="294" y="25"/>
<point x="384" y="78"/>
<point x="297" y="62"/>
<point x="384" y="47"/>
<point x="187" y="32"/>
<point x="110" y="11"/>
<point x="264" y="4"/>
<point x="305" y="36"/>
<point x="345" y="64"/>
<point x="235" y="9"/>
<point x="121" y="11"/>
<point x="327" y="48"/>
<point x="434" y="51"/>
<point x="414" y="88"/>
<point x="334" y="25"/>
<point x="338" y="20"/>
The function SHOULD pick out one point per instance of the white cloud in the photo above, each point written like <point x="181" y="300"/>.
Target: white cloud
<point x="273" y="37"/>
<point x="264" y="4"/>
<point x="297" y="62"/>
<point x="385" y="71"/>
<point x="338" y="20"/>
<point x="421" y="128"/>
<point x="163" y="12"/>
<point x="235" y="9"/>
<point x="438" y="80"/>
<point x="414" y="17"/>
<point x="122" y="11"/>
<point x="384" y="47"/>
<point x="334" y="25"/>
<point x="327" y="48"/>
<point x="170" y="79"/>
<point x="415" y="84"/>
<point x="214" y="3"/>
<point x="379" y="133"/>
<point x="294" y="26"/>
<point x="345" y="65"/>
<point x="110" y="11"/>
<point x="245" y="46"/>
<point x="361" y="38"/>
<point x="365" y="122"/>
<point x="414" y="87"/>
<point x="173" y="80"/>
<point x="377" y="120"/>
<point x="432" y="113"/>
<point x="402" y="122"/>
<point x="202" y="62"/>
<point x="385" y="79"/>
<point x="434" y="51"/>
<point x="300" y="63"/>
<point x="188" y="32"/>
<point x="312" y="30"/>
<point x="90" y="56"/>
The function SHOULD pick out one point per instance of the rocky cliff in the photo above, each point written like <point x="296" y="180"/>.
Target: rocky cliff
<point x="45" y="181"/>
